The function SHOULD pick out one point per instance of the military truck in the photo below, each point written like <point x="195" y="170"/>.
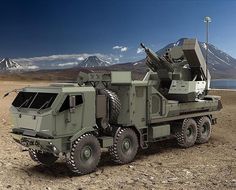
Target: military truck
<point x="110" y="110"/>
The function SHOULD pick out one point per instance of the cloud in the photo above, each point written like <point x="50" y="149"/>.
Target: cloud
<point x="80" y="58"/>
<point x="117" y="59"/>
<point x="54" y="57"/>
<point x="140" y="50"/>
<point x="121" y="48"/>
<point x="124" y="49"/>
<point x="65" y="60"/>
<point x="59" y="58"/>
<point x="32" y="67"/>
<point x="117" y="47"/>
<point x="67" y="64"/>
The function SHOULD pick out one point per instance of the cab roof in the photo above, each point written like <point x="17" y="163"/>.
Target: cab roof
<point x="59" y="87"/>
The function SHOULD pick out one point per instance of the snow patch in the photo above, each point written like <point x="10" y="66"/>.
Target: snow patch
<point x="94" y="61"/>
<point x="204" y="46"/>
<point x="8" y="64"/>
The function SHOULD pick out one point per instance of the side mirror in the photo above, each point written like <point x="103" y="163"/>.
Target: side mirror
<point x="72" y="103"/>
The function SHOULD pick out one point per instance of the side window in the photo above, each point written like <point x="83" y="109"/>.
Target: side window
<point x="66" y="103"/>
<point x="78" y="100"/>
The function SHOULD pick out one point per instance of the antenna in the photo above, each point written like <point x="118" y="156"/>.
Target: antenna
<point x="207" y="20"/>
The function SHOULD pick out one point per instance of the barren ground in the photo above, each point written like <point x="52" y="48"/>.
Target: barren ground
<point x="162" y="166"/>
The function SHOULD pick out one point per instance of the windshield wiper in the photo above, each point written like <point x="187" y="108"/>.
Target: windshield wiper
<point x="45" y="104"/>
<point x="26" y="101"/>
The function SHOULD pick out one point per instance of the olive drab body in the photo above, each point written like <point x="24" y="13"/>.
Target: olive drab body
<point x="110" y="110"/>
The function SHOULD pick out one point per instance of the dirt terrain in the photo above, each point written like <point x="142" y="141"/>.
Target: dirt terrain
<point x="163" y="166"/>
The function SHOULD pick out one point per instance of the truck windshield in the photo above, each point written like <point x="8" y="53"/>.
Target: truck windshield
<point x="34" y="100"/>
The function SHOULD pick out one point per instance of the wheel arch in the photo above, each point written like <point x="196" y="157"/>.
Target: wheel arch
<point x="138" y="133"/>
<point x="209" y="116"/>
<point x="82" y="132"/>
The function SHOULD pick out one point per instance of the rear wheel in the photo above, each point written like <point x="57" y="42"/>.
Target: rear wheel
<point x="186" y="133"/>
<point x="44" y="158"/>
<point x="203" y="130"/>
<point x="125" y="146"/>
<point x="85" y="154"/>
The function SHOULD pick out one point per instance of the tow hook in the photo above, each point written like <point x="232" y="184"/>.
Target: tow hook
<point x="26" y="143"/>
<point x="214" y="121"/>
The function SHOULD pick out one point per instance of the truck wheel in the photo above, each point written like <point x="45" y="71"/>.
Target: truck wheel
<point x="203" y="130"/>
<point x="85" y="154"/>
<point x="186" y="133"/>
<point x="44" y="158"/>
<point x="125" y="146"/>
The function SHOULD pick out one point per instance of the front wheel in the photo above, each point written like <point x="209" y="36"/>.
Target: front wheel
<point x="44" y="158"/>
<point x="84" y="155"/>
<point x="125" y="146"/>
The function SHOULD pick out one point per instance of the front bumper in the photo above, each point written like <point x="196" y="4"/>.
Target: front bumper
<point x="54" y="146"/>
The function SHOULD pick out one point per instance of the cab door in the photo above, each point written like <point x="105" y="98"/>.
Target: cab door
<point x="69" y="119"/>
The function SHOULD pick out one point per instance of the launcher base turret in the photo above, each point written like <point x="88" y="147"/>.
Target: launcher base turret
<point x="182" y="71"/>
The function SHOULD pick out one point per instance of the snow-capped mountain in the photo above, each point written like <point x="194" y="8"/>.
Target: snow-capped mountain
<point x="217" y="59"/>
<point x="7" y="64"/>
<point x="220" y="64"/>
<point x="94" y="61"/>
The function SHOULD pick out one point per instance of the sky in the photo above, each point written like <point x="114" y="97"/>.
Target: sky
<point x="33" y="28"/>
